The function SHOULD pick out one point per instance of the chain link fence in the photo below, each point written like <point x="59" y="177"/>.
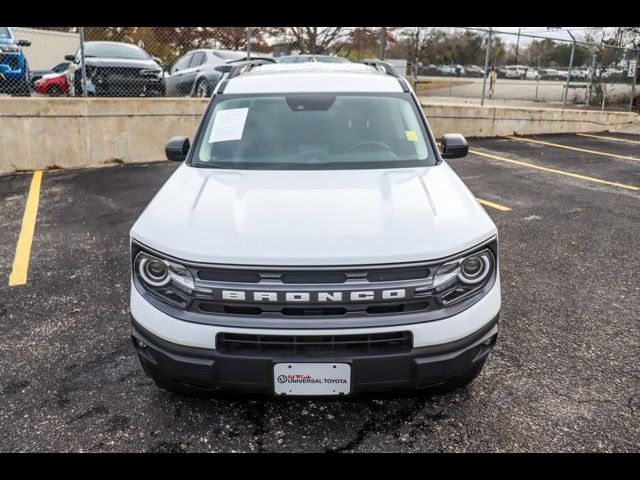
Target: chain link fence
<point x="474" y="65"/>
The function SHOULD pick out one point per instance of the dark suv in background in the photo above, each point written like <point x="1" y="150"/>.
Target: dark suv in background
<point x="117" y="69"/>
<point x="14" y="68"/>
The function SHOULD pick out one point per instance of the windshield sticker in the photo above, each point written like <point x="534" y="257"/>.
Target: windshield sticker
<point x="228" y="125"/>
<point x="411" y="135"/>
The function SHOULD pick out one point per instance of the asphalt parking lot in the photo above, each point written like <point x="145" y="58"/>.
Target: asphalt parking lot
<point x="564" y="375"/>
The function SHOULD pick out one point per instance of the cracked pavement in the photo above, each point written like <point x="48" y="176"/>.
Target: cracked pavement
<point x="564" y="375"/>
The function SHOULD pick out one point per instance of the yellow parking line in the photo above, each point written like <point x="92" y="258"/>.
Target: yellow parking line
<point x="615" y="139"/>
<point x="557" y="145"/>
<point x="497" y="206"/>
<point x="18" y="274"/>
<point x="554" y="170"/>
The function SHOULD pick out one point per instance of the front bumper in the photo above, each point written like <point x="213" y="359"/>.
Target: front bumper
<point x="210" y="370"/>
<point x="186" y="351"/>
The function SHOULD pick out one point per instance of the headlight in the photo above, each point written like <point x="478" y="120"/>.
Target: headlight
<point x="460" y="278"/>
<point x="169" y="280"/>
<point x="151" y="72"/>
<point x="154" y="272"/>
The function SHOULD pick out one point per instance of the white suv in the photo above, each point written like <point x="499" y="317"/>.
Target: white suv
<point x="515" y="71"/>
<point x="314" y="242"/>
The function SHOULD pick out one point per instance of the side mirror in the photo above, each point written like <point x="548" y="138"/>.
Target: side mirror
<point x="454" y="145"/>
<point x="70" y="58"/>
<point x="177" y="148"/>
<point x="24" y="43"/>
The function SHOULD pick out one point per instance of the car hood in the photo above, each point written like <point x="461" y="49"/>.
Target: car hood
<point x="338" y="217"/>
<point x="121" y="62"/>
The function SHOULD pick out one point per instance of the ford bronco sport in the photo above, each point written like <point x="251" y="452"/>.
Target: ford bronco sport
<point x="314" y="241"/>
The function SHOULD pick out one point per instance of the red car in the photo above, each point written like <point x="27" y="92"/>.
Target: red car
<point x="54" y="84"/>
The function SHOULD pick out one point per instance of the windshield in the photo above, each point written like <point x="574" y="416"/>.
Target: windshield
<point x="114" y="50"/>
<point x="4" y="33"/>
<point x="313" y="131"/>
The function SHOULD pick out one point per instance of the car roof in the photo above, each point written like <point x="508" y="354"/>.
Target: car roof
<point x="313" y="77"/>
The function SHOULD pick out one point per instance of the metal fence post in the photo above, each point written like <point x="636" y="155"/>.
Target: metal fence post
<point x="633" y="84"/>
<point x="82" y="65"/>
<point x="566" y="87"/>
<point x="416" y="60"/>
<point x="248" y="43"/>
<point x="383" y="42"/>
<point x="486" y="67"/>
<point x="591" y="77"/>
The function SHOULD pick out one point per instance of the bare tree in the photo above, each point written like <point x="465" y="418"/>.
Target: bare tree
<point x="316" y="40"/>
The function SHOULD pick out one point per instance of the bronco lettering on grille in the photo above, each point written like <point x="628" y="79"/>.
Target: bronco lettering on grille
<point x="255" y="296"/>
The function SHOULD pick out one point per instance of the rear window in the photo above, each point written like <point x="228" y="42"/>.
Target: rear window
<point x="4" y="33"/>
<point x="313" y="131"/>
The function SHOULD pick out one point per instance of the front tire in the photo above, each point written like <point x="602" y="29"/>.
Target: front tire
<point x="54" y="91"/>
<point x="202" y="88"/>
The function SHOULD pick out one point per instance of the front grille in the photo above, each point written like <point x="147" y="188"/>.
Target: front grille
<point x="309" y="345"/>
<point x="288" y="310"/>
<point x="314" y="277"/>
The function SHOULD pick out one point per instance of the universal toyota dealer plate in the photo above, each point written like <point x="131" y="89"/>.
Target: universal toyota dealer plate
<point x="312" y="378"/>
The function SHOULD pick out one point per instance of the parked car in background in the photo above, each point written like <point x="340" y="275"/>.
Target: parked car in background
<point x="428" y="70"/>
<point x="14" y="68"/>
<point x="312" y="58"/>
<point x="38" y="74"/>
<point x="580" y="74"/>
<point x="474" y="71"/>
<point x="195" y="74"/>
<point x="461" y="71"/>
<point x="52" y="84"/>
<point x="446" y="70"/>
<point x="118" y="69"/>
<point x="515" y="71"/>
<point x="548" y="74"/>
<point x="532" y="74"/>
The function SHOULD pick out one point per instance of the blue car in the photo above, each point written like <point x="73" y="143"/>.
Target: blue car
<point x="14" y="69"/>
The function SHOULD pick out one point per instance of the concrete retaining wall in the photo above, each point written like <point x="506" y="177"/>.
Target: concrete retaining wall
<point x="41" y="133"/>
<point x="491" y="121"/>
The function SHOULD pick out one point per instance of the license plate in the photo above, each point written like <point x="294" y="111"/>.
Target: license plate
<point x="312" y="378"/>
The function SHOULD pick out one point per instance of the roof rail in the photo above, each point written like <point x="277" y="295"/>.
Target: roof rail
<point x="242" y="67"/>
<point x="230" y="70"/>
<point x="385" y="67"/>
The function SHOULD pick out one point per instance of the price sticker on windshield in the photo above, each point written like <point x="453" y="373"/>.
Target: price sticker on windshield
<point x="228" y="125"/>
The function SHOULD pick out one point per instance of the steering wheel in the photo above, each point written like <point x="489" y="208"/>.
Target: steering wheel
<point x="369" y="143"/>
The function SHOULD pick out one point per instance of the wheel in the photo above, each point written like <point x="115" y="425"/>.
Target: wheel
<point x="460" y="381"/>
<point x="54" y="91"/>
<point x="202" y="88"/>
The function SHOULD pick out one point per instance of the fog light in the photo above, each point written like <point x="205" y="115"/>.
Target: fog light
<point x="141" y="344"/>
<point x="489" y="341"/>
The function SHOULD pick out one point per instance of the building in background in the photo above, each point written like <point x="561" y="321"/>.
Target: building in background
<point x="48" y="47"/>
